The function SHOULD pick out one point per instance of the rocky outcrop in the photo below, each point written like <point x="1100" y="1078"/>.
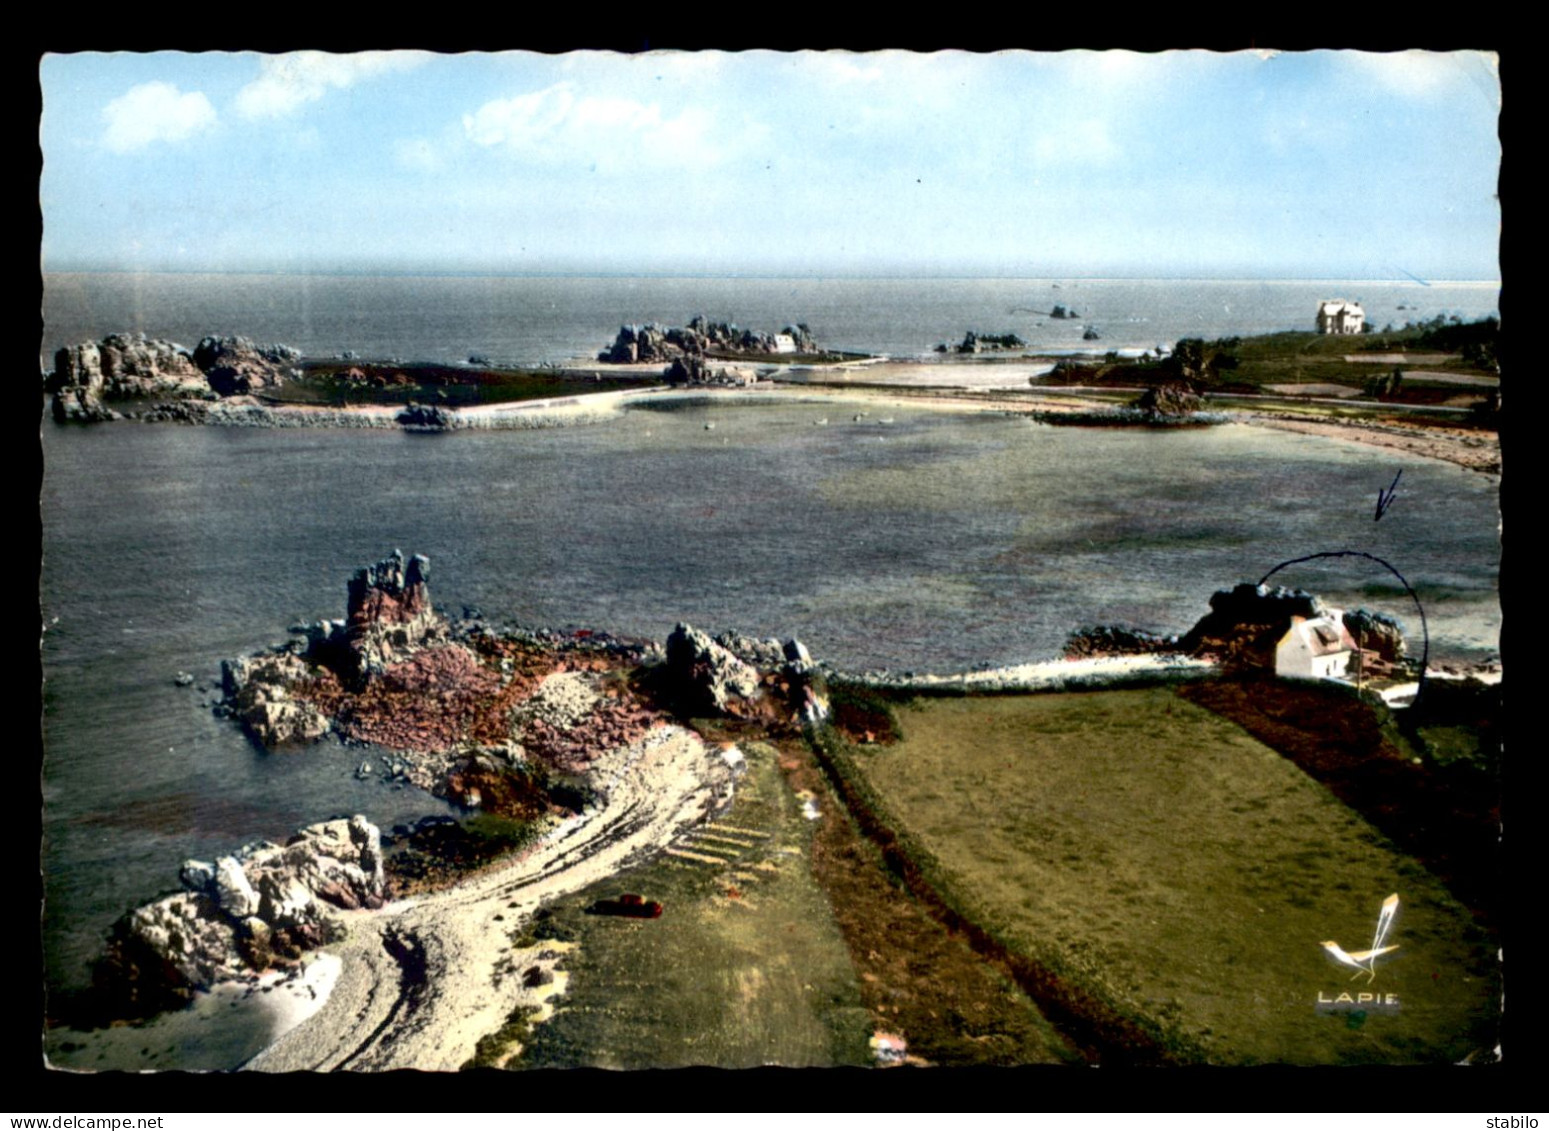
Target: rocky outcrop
<point x="1171" y="398"/>
<point x="1245" y="622"/>
<point x="131" y="367"/>
<point x="1115" y="640"/>
<point x="983" y="343"/>
<point x="120" y="367"/>
<point x="263" y="904"/>
<point x="426" y="418"/>
<point x="388" y="619"/>
<point x="705" y="676"/>
<point x="1376" y="632"/>
<point x="258" y="694"/>
<point x="237" y="366"/>
<point x="691" y="369"/>
<point x="655" y="343"/>
<point x="388" y="616"/>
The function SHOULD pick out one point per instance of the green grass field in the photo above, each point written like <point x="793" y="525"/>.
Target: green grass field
<point x="1164" y="862"/>
<point x="745" y="967"/>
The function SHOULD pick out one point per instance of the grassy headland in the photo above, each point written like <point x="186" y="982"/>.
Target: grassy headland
<point x="1438" y="363"/>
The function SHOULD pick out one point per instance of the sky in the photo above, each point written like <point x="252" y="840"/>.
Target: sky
<point x="1318" y="165"/>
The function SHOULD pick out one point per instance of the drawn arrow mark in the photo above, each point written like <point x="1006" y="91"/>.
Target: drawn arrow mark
<point x="1385" y="498"/>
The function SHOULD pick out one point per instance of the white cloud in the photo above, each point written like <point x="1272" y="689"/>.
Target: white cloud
<point x="287" y="82"/>
<point x="1420" y="73"/>
<point x="154" y="111"/>
<point x="558" y="124"/>
<point x="522" y="120"/>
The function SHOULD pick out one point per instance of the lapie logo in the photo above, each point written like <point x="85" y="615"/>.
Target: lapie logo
<point x="1365" y="962"/>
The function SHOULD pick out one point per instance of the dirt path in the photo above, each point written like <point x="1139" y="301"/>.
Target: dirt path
<point x="419" y="984"/>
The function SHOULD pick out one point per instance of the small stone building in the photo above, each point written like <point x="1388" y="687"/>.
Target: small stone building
<point x="1315" y="647"/>
<point x="1336" y="316"/>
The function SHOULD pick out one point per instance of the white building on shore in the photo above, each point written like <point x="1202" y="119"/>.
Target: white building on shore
<point x="1315" y="648"/>
<point x="1336" y="316"/>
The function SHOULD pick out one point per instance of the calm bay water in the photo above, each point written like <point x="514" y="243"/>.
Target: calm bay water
<point x="937" y="542"/>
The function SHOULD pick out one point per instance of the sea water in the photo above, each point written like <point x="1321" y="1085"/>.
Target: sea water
<point x="535" y="320"/>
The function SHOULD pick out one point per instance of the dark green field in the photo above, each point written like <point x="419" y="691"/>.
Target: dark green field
<point x="340" y="383"/>
<point x="1161" y="862"/>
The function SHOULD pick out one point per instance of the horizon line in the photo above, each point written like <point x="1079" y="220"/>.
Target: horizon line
<point x="431" y="273"/>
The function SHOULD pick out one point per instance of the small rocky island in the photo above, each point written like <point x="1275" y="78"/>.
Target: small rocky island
<point x="1170" y="404"/>
<point x="974" y="343"/>
<point x="705" y="339"/>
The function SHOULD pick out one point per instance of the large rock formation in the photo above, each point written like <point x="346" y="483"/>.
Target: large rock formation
<point x="132" y="367"/>
<point x="981" y="343"/>
<point x="655" y="343"/>
<point x="119" y="367"/>
<point x="707" y="677"/>
<point x="262" y="904"/>
<point x="1246" y="621"/>
<point x="388" y="616"/>
<point x="237" y="366"/>
<point x="691" y="369"/>
<point x="388" y="619"/>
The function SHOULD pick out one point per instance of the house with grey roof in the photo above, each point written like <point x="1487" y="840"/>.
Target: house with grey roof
<point x="1336" y="316"/>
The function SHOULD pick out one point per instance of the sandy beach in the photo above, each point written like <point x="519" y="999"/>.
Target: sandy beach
<point x="219" y="1030"/>
<point x="1475" y="450"/>
<point x="422" y="980"/>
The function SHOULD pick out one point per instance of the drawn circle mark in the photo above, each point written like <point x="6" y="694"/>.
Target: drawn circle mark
<point x="1425" y="632"/>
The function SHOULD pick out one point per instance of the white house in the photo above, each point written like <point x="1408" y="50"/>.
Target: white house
<point x="1315" y="647"/>
<point x="1336" y="316"/>
<point x="784" y="343"/>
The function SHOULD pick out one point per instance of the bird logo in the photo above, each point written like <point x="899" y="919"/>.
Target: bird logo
<point x="1365" y="961"/>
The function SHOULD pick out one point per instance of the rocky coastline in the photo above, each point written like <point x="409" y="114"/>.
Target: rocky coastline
<point x="123" y="367"/>
<point x="522" y="727"/>
<point x="571" y="755"/>
<point x="230" y="381"/>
